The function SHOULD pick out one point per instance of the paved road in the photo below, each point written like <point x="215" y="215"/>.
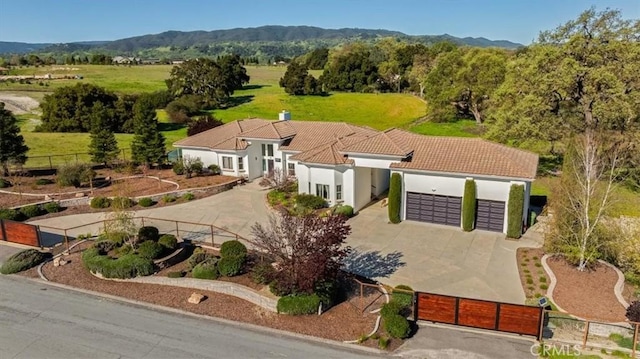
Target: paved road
<point x="39" y="321"/>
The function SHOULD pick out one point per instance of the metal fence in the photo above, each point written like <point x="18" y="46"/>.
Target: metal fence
<point x="53" y="161"/>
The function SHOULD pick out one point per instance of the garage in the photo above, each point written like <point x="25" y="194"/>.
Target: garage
<point x="490" y="215"/>
<point x="425" y="207"/>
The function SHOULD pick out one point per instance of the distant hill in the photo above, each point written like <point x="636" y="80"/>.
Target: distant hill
<point x="265" y="40"/>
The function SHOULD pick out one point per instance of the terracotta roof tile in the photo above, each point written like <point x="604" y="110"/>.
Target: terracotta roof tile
<point x="381" y="144"/>
<point x="328" y="154"/>
<point x="222" y="137"/>
<point x="271" y="130"/>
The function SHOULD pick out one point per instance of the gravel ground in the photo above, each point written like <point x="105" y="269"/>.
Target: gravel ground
<point x="18" y="104"/>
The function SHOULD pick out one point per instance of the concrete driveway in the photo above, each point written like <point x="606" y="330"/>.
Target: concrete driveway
<point x="436" y="258"/>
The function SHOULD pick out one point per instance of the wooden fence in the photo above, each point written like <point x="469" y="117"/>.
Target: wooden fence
<point x="21" y="233"/>
<point x="474" y="313"/>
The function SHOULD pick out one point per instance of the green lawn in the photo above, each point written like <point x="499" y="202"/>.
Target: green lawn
<point x="462" y="128"/>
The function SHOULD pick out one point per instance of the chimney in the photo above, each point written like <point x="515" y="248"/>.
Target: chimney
<point x="284" y="115"/>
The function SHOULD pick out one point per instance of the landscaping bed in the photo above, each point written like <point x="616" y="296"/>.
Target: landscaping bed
<point x="533" y="277"/>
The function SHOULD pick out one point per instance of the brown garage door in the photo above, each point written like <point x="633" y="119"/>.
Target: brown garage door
<point x="425" y="207"/>
<point x="490" y="215"/>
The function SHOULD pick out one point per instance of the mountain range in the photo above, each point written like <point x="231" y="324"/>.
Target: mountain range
<point x="300" y="37"/>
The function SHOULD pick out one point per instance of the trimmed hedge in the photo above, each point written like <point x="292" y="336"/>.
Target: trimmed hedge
<point x="344" y="210"/>
<point x="298" y="304"/>
<point x="469" y="205"/>
<point x="231" y="266"/>
<point x="169" y="241"/>
<point x="310" y="201"/>
<point x="206" y="270"/>
<point x="397" y="326"/>
<point x="402" y="297"/>
<point x="100" y="202"/>
<point x="23" y="260"/>
<point x="127" y="266"/>
<point x="148" y="233"/>
<point x="52" y="207"/>
<point x="516" y="206"/>
<point x="150" y="249"/>
<point x="146" y="202"/>
<point x="394" y="307"/>
<point x="33" y="210"/>
<point x="233" y="249"/>
<point x="395" y="198"/>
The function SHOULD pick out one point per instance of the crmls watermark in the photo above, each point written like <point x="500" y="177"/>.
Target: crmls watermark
<point x="546" y="350"/>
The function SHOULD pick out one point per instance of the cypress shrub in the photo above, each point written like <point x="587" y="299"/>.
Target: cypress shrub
<point x="233" y="249"/>
<point x="401" y="296"/>
<point x="206" y="270"/>
<point x="150" y="249"/>
<point x="395" y="199"/>
<point x="52" y="207"/>
<point x="469" y="205"/>
<point x="231" y="266"/>
<point x="397" y="326"/>
<point x="100" y="202"/>
<point x="148" y="233"/>
<point x="30" y="211"/>
<point x="516" y="206"/>
<point x="169" y="241"/>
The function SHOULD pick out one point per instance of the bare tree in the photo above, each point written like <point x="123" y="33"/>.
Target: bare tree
<point x="308" y="249"/>
<point x="191" y="165"/>
<point x="276" y="179"/>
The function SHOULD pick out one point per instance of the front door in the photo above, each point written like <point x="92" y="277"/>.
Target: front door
<point x="270" y="165"/>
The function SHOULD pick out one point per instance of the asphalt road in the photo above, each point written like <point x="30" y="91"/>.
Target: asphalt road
<point x="39" y="321"/>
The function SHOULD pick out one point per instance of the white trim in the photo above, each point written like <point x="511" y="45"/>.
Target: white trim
<point x="475" y="175"/>
<point x="375" y="155"/>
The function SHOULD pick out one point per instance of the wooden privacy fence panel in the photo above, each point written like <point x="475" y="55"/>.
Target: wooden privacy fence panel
<point x="22" y="233"/>
<point x="504" y="317"/>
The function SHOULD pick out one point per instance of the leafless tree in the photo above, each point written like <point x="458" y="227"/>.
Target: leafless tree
<point x="276" y="179"/>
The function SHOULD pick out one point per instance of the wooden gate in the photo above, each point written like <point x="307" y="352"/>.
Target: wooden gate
<point x="17" y="232"/>
<point x="474" y="313"/>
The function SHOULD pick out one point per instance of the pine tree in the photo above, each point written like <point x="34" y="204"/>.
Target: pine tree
<point x="103" y="147"/>
<point x="148" y="143"/>
<point x="12" y="147"/>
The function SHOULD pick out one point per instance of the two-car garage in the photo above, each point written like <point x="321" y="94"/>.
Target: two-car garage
<point x="447" y="210"/>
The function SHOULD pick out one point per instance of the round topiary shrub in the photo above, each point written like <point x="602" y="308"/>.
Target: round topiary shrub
<point x="148" y="233"/>
<point x="206" y="270"/>
<point x="168" y="241"/>
<point x="150" y="249"/>
<point x="263" y="273"/>
<point x="391" y="308"/>
<point x="397" y="326"/>
<point x="146" y="202"/>
<point x="344" y="210"/>
<point x="52" y="207"/>
<point x="31" y="211"/>
<point x="100" y="202"/>
<point x="233" y="248"/>
<point x="231" y="266"/>
<point x="4" y="183"/>
<point x="122" y="202"/>
<point x="23" y="260"/>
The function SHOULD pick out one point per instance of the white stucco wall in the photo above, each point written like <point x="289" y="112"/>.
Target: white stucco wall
<point x="372" y="162"/>
<point x="362" y="187"/>
<point x="207" y="157"/>
<point x="379" y="180"/>
<point x="348" y="183"/>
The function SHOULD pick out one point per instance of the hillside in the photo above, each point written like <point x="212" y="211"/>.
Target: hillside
<point x="265" y="40"/>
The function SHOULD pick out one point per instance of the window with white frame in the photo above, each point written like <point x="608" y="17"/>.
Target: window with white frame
<point x="291" y="169"/>
<point x="240" y="163"/>
<point x="322" y="190"/>
<point x="227" y="163"/>
<point x="338" y="192"/>
<point x="267" y="150"/>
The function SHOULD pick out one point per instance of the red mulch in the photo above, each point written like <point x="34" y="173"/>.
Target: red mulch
<point x="587" y="294"/>
<point x="342" y="322"/>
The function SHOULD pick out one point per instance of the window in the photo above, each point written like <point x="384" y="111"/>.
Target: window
<point x="291" y="169"/>
<point x="264" y="150"/>
<point x="338" y="192"/>
<point x="227" y="163"/>
<point x="240" y="163"/>
<point x="322" y="190"/>
<point x="264" y="165"/>
<point x="270" y="150"/>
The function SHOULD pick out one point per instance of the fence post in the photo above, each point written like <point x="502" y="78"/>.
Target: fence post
<point x="50" y="163"/>
<point x="66" y="240"/>
<point x="142" y="220"/>
<point x="541" y="331"/>
<point x="76" y="157"/>
<point x="362" y="296"/>
<point x="177" y="230"/>
<point x="212" y="241"/>
<point x="586" y="334"/>
<point x="635" y="341"/>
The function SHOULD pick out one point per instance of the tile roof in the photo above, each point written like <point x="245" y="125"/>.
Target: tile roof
<point x="326" y="154"/>
<point x="381" y="144"/>
<point x="271" y="130"/>
<point x="223" y="137"/>
<point x="465" y="155"/>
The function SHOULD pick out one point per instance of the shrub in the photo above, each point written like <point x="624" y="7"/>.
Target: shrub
<point x="43" y="181"/>
<point x="276" y="197"/>
<point x="198" y="256"/>
<point x="4" y="183"/>
<point x="469" y="205"/>
<point x="344" y="210"/>
<point x="327" y="291"/>
<point x="633" y="312"/>
<point x="168" y="241"/>
<point x="402" y="296"/>
<point x="383" y="342"/>
<point x="100" y="202"/>
<point x="515" y="208"/>
<point x="127" y="266"/>
<point x="263" y="273"/>
<point x="73" y="174"/>
<point x="115" y="237"/>
<point x="231" y="266"/>
<point x="392" y="308"/>
<point x="188" y="196"/>
<point x="150" y="249"/>
<point x="233" y="249"/>
<point x="168" y="198"/>
<point x="146" y="202"/>
<point x="10" y="214"/>
<point x="104" y="246"/>
<point x="23" y="260"/>
<point x="52" y="207"/>
<point x="148" y="233"/>
<point x="395" y="194"/>
<point x="299" y="304"/>
<point x="310" y="201"/>
<point x="215" y="169"/>
<point x="206" y="270"/>
<point x="31" y="211"/>
<point x="179" y="274"/>
<point x="178" y="168"/>
<point x="122" y="202"/>
<point x="281" y="287"/>
<point x="397" y="326"/>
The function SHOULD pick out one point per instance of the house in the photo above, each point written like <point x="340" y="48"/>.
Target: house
<point x="351" y="165"/>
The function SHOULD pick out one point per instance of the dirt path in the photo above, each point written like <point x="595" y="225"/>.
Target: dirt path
<point x="18" y="104"/>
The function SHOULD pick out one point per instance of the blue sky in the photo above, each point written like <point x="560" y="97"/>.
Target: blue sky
<point x="83" y="20"/>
